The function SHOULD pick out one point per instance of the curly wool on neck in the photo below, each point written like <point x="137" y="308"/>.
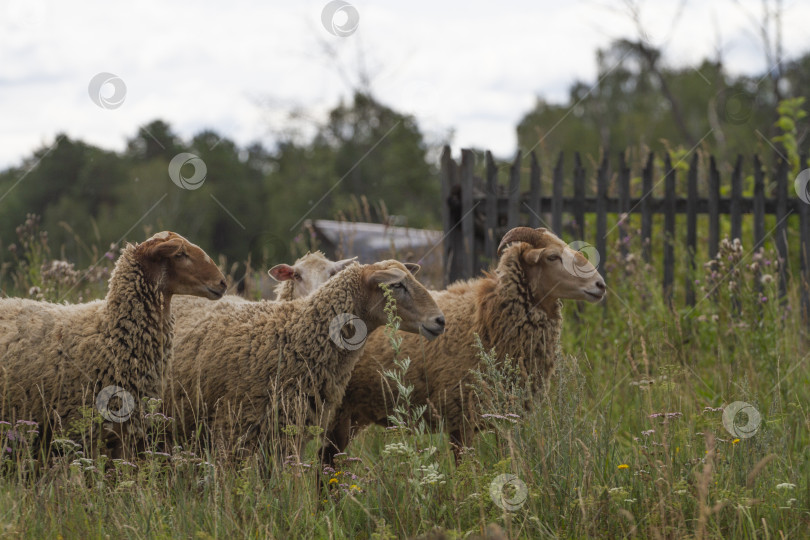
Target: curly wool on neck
<point x="57" y="357"/>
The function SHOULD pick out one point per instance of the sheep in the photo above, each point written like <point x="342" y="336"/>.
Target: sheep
<point x="56" y="358"/>
<point x="516" y="310"/>
<point x="307" y="274"/>
<point x="248" y="369"/>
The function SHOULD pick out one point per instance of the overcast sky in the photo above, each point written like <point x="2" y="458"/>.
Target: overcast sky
<point x="239" y="67"/>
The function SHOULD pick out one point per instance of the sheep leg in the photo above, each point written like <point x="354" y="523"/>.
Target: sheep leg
<point x="457" y="443"/>
<point x="337" y="439"/>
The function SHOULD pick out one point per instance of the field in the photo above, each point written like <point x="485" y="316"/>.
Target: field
<point x="629" y="441"/>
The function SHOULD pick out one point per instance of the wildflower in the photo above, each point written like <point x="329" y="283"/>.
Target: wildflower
<point x="354" y="487"/>
<point x="648" y="432"/>
<point x="667" y="415"/>
<point x="333" y="480"/>
<point x="735" y="441"/>
<point x="624" y="466"/>
<point x="786" y="485"/>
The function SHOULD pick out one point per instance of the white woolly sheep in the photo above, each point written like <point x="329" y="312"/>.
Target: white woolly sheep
<point x="516" y="310"/>
<point x="56" y="358"/>
<point x="248" y="368"/>
<point x="307" y="274"/>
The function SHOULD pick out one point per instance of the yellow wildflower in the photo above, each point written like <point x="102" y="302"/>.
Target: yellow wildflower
<point x="624" y="466"/>
<point x="735" y="441"/>
<point x="333" y="481"/>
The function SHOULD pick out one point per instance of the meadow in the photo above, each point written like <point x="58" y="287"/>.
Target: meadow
<point x="637" y="436"/>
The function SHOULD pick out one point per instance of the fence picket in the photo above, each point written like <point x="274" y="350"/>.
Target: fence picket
<point x="557" y="201"/>
<point x="646" y="206"/>
<point x="714" y="207"/>
<point x="669" y="226"/>
<point x="534" y="193"/>
<point x="579" y="194"/>
<point x="467" y="218"/>
<point x="736" y="195"/>
<point x="602" y="178"/>
<point x="691" y="227"/>
<point x="513" y="208"/>
<point x="491" y="217"/>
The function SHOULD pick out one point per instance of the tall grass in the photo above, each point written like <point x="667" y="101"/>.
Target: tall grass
<point x="628" y="441"/>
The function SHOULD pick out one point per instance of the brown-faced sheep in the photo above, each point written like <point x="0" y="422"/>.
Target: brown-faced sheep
<point x="516" y="310"/>
<point x="248" y="369"/>
<point x="56" y="358"/>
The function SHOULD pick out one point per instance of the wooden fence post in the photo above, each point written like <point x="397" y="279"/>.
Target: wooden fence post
<point x="467" y="217"/>
<point x="714" y="208"/>
<point x="602" y="177"/>
<point x="669" y="226"/>
<point x="781" y="220"/>
<point x="452" y="244"/>
<point x="624" y="201"/>
<point x="579" y="195"/>
<point x="491" y="207"/>
<point x="646" y="207"/>
<point x="759" y="203"/>
<point x="513" y="207"/>
<point x="557" y="197"/>
<point x="535" y="192"/>
<point x="736" y="195"/>
<point x="691" y="228"/>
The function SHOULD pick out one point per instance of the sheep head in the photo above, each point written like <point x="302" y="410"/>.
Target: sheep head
<point x="309" y="272"/>
<point x="180" y="267"/>
<point x="554" y="269"/>
<point x="415" y="306"/>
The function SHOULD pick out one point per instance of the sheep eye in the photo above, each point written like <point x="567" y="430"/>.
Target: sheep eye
<point x="180" y="255"/>
<point x="553" y="257"/>
<point x="398" y="285"/>
<point x="297" y="276"/>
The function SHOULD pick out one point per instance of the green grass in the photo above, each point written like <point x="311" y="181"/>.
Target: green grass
<point x="596" y="455"/>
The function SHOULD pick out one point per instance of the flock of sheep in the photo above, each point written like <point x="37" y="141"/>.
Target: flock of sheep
<point x="242" y="371"/>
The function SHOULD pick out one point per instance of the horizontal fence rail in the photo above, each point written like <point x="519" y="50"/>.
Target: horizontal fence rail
<point x="476" y="211"/>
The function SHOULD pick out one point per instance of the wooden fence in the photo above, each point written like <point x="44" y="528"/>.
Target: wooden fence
<point x="476" y="212"/>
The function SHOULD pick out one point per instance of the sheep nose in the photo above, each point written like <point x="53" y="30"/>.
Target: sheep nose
<point x="223" y="284"/>
<point x="440" y="321"/>
<point x="600" y="285"/>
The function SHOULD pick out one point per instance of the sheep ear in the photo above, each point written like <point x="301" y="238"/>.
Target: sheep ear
<point x="387" y="277"/>
<point x="340" y="265"/>
<point x="413" y="268"/>
<point x="533" y="256"/>
<point x="164" y="250"/>
<point x="282" y="272"/>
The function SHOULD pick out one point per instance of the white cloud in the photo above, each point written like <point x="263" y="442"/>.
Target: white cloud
<point x="474" y="67"/>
